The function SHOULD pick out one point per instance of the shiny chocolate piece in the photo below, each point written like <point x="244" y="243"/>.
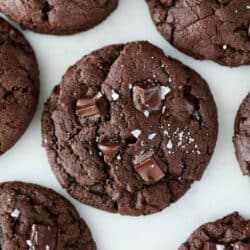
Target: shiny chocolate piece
<point x="109" y="149"/>
<point x="147" y="98"/>
<point x="149" y="167"/>
<point x="90" y="106"/>
<point x="43" y="237"/>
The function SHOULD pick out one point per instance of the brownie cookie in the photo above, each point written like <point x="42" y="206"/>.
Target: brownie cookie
<point x="230" y="233"/>
<point x="36" y="218"/>
<point x="19" y="85"/>
<point x="242" y="136"/>
<point x="60" y="17"/>
<point x="128" y="130"/>
<point x="217" y="30"/>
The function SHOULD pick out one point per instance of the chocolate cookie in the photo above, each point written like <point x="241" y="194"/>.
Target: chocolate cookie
<point x="37" y="218"/>
<point x="128" y="130"/>
<point x="218" y="30"/>
<point x="242" y="136"/>
<point x="230" y="233"/>
<point x="19" y="85"/>
<point x="60" y="17"/>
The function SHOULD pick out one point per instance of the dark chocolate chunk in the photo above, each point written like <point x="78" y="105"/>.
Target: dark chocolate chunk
<point x="149" y="167"/>
<point x="90" y="106"/>
<point x="43" y="237"/>
<point x="147" y="98"/>
<point x="109" y="149"/>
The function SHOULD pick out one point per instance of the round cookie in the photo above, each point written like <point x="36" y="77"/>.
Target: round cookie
<point x="128" y="129"/>
<point x="217" y="30"/>
<point x="19" y="85"/>
<point x="229" y="233"/>
<point x="34" y="217"/>
<point x="59" y="17"/>
<point x="242" y="136"/>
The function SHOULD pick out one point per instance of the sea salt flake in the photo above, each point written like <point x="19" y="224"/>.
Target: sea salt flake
<point x="99" y="95"/>
<point x="146" y="113"/>
<point x="15" y="213"/>
<point x="136" y="133"/>
<point x="115" y="96"/>
<point x="163" y="109"/>
<point x="164" y="91"/>
<point x="169" y="145"/>
<point x="224" y="46"/>
<point x="47" y="247"/>
<point x="170" y="79"/>
<point x="118" y="157"/>
<point x="28" y="242"/>
<point x="151" y="136"/>
<point x="130" y="86"/>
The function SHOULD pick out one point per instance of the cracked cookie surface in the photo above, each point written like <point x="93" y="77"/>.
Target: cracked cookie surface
<point x="34" y="217"/>
<point x="60" y="17"/>
<point x="128" y="129"/>
<point x="242" y="136"/>
<point x="229" y="233"/>
<point x="206" y="29"/>
<point x="19" y="85"/>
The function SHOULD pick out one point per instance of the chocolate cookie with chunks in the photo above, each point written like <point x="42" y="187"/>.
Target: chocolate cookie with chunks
<point x="128" y="129"/>
<point x="230" y="233"/>
<point x="217" y="30"/>
<point x="242" y="136"/>
<point x="19" y="85"/>
<point x="34" y="217"/>
<point x="59" y="17"/>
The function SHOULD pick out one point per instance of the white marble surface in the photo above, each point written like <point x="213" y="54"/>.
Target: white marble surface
<point x="222" y="190"/>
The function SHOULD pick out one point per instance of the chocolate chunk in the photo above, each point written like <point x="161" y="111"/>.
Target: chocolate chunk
<point x="149" y="167"/>
<point x="147" y="98"/>
<point x="43" y="237"/>
<point x="90" y="106"/>
<point x="109" y="149"/>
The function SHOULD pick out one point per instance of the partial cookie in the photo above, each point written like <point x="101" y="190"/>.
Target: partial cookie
<point x="242" y="136"/>
<point x="217" y="30"/>
<point x="19" y="85"/>
<point x="36" y="218"/>
<point x="60" y="17"/>
<point x="129" y="130"/>
<point x="230" y="233"/>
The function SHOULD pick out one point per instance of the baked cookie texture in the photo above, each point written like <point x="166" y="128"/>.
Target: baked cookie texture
<point x="34" y="217"/>
<point x="59" y="17"/>
<point x="128" y="129"/>
<point x="229" y="233"/>
<point x="19" y="85"/>
<point x="242" y="136"/>
<point x="217" y="30"/>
